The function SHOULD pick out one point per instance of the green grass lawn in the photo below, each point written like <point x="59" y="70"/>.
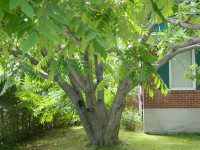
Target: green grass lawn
<point x="75" y="139"/>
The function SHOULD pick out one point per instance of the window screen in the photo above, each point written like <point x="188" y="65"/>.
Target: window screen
<point x="179" y="65"/>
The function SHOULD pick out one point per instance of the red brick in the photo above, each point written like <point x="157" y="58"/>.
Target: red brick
<point x="174" y="99"/>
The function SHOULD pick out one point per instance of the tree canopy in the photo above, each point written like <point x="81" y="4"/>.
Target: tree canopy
<point x="90" y="46"/>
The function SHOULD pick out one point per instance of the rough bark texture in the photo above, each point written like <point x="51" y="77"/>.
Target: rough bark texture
<point x="101" y="125"/>
<point x="185" y="25"/>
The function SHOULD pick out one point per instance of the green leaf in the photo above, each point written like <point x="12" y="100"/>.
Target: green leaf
<point x="53" y="69"/>
<point x="82" y="28"/>
<point x="151" y="94"/>
<point x="51" y="25"/>
<point x="149" y="8"/>
<point x="75" y="21"/>
<point x="1" y="14"/>
<point x="175" y="8"/>
<point x="5" y="52"/>
<point x="54" y="16"/>
<point x="84" y="43"/>
<point x="91" y="51"/>
<point x="161" y="3"/>
<point x="90" y="36"/>
<point x="24" y="26"/>
<point x="166" y="9"/>
<point x="14" y="3"/>
<point x="158" y="84"/>
<point x="95" y="1"/>
<point x="103" y="83"/>
<point x="4" y="5"/>
<point x="146" y="2"/>
<point x="54" y="7"/>
<point x="143" y="73"/>
<point x="156" y="10"/>
<point x="165" y="91"/>
<point x="27" y="9"/>
<point x="48" y="34"/>
<point x="30" y="42"/>
<point x="102" y="42"/>
<point x="100" y="49"/>
<point x="106" y="35"/>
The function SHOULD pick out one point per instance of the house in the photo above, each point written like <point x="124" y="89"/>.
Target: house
<point x="179" y="111"/>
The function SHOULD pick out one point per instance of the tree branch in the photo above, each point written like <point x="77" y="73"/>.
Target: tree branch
<point x="80" y="80"/>
<point x="184" y="24"/>
<point x="31" y="59"/>
<point x="172" y="54"/>
<point x="118" y="51"/>
<point x="189" y="42"/>
<point x="71" y="36"/>
<point x="43" y="75"/>
<point x="89" y="75"/>
<point x="76" y="87"/>
<point x="99" y="68"/>
<point x="150" y="30"/>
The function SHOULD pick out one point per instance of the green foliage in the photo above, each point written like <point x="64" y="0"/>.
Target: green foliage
<point x="30" y="42"/>
<point x="7" y="143"/>
<point x="27" y="9"/>
<point x="14" y="3"/>
<point x="144" y="70"/>
<point x="54" y="16"/>
<point x="64" y="31"/>
<point x="48" y="34"/>
<point x="155" y="8"/>
<point x="45" y="101"/>
<point x="75" y="21"/>
<point x="51" y="25"/>
<point x="134" y="91"/>
<point x="1" y="15"/>
<point x="90" y="36"/>
<point x="131" y="120"/>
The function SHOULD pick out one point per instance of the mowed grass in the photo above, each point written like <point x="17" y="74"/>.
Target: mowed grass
<point x="76" y="139"/>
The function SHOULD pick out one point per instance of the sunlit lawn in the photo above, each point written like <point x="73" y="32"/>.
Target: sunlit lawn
<point x="75" y="139"/>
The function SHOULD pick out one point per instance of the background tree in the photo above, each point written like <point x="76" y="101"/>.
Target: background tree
<point x="87" y="45"/>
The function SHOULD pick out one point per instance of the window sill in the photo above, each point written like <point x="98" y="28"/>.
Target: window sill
<point x="184" y="91"/>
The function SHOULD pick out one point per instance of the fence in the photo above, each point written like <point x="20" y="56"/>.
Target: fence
<point x="17" y="124"/>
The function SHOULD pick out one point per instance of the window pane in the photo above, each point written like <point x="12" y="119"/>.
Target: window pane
<point x="179" y="65"/>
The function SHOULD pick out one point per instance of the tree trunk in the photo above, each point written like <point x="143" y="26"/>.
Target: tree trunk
<point x="101" y="126"/>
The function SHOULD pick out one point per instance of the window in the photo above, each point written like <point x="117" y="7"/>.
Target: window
<point x="177" y="69"/>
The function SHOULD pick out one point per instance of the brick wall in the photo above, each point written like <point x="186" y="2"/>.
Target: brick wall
<point x="174" y="99"/>
<point x="133" y="102"/>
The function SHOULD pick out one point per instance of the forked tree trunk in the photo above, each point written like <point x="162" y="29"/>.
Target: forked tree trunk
<point x="100" y="124"/>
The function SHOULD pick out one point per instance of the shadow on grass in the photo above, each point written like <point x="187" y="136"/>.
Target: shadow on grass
<point x="75" y="139"/>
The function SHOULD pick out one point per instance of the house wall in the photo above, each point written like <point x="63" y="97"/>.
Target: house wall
<point x="172" y="120"/>
<point x="174" y="99"/>
<point x="178" y="112"/>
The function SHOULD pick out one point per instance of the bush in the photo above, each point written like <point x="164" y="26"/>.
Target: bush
<point x="7" y="143"/>
<point x="131" y="120"/>
<point x="69" y="119"/>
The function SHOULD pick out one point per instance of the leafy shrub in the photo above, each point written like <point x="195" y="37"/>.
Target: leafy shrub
<point x="7" y="143"/>
<point x="131" y="120"/>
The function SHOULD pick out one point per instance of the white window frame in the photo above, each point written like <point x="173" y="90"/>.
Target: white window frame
<point x="170" y="76"/>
